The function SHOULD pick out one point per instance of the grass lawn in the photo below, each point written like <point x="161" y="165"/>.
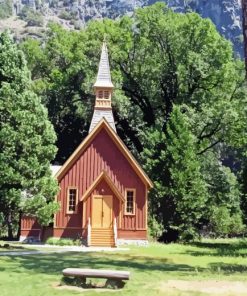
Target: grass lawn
<point x="151" y="268"/>
<point x="9" y="246"/>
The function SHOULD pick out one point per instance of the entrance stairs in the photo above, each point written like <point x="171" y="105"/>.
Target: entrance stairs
<point x="102" y="237"/>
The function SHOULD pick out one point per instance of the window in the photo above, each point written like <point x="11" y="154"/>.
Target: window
<point x="106" y="94"/>
<point x="130" y="202"/>
<point x="71" y="200"/>
<point x="100" y="94"/>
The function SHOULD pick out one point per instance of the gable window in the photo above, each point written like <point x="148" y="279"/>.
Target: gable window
<point x="72" y="200"/>
<point x="130" y="202"/>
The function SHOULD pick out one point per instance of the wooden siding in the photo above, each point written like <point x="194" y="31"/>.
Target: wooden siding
<point x="102" y="154"/>
<point x="132" y="234"/>
<point x="28" y="222"/>
<point x="30" y="227"/>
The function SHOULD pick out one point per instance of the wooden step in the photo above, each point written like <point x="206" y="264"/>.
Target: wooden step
<point x="102" y="231"/>
<point x="102" y="245"/>
<point x="102" y="237"/>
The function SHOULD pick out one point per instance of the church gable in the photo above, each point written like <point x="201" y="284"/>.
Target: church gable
<point x="104" y="150"/>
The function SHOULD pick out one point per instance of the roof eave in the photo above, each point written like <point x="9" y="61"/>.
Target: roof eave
<point x="131" y="158"/>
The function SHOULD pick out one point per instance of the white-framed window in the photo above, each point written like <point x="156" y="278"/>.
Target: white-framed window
<point x="72" y="199"/>
<point x="130" y="201"/>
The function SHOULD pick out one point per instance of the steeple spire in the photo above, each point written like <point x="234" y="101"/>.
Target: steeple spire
<point x="103" y="88"/>
<point x="104" y="74"/>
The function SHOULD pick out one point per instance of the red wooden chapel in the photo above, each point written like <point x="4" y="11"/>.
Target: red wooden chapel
<point x="103" y="190"/>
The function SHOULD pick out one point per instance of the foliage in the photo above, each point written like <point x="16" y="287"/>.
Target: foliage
<point x="63" y="242"/>
<point x="26" y="141"/>
<point x="184" y="194"/>
<point x="33" y="18"/>
<point x="224" y="223"/>
<point x="159" y="59"/>
<point x="6" y="9"/>
<point x="155" y="229"/>
<point x="66" y="15"/>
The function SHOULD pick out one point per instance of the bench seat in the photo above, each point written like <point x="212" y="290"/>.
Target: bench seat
<point x="96" y="273"/>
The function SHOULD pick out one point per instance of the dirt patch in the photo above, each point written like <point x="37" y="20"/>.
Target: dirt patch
<point x="210" y="287"/>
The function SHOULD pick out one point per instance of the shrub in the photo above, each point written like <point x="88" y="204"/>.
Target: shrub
<point x="5" y="9"/>
<point x="226" y="224"/>
<point x="33" y="18"/>
<point x="65" y="15"/>
<point x="55" y="241"/>
<point x="155" y="229"/>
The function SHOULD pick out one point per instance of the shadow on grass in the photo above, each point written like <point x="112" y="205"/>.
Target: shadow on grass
<point x="55" y="263"/>
<point x="233" y="249"/>
<point x="227" y="268"/>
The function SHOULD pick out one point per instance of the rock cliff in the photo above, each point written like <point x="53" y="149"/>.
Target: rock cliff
<point x="226" y="14"/>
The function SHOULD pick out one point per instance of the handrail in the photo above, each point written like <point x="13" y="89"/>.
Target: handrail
<point x="89" y="228"/>
<point x="115" y="231"/>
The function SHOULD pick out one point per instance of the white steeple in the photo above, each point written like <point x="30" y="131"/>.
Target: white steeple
<point x="103" y="88"/>
<point x="104" y="74"/>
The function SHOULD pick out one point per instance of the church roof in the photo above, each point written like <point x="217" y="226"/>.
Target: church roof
<point x="104" y="124"/>
<point x="104" y="74"/>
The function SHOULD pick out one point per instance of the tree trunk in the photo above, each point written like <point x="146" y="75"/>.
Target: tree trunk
<point x="10" y="226"/>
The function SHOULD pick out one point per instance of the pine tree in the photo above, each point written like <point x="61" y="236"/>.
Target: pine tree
<point x="187" y="187"/>
<point x="26" y="142"/>
<point x="180" y="192"/>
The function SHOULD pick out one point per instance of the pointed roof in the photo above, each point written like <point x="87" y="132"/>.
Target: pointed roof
<point x="104" y="74"/>
<point x="104" y="124"/>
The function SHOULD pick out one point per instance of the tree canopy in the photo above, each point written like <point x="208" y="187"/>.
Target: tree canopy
<point x="179" y="104"/>
<point x="26" y="142"/>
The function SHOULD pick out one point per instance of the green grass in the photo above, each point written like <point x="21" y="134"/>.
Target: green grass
<point x="9" y="247"/>
<point x="149" y="266"/>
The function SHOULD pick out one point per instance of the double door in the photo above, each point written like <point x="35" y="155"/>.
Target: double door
<point x="102" y="211"/>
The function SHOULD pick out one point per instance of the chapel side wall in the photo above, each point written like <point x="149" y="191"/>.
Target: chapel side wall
<point x="101" y="155"/>
<point x="30" y="227"/>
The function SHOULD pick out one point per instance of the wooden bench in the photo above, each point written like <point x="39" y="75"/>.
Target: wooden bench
<point x="114" y="278"/>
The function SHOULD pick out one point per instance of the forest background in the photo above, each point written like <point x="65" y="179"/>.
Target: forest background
<point x="179" y="105"/>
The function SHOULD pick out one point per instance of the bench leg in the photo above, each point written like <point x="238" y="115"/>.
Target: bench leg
<point x="80" y="282"/>
<point x="114" y="284"/>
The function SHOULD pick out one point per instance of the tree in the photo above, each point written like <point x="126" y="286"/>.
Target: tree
<point x="159" y="59"/>
<point x="185" y="192"/>
<point x="26" y="142"/>
<point x="60" y="70"/>
<point x="244" y="17"/>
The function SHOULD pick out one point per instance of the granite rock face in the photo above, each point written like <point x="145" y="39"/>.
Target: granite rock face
<point x="226" y="14"/>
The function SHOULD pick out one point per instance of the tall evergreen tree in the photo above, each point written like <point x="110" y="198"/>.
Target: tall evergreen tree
<point x="26" y="142"/>
<point x="184" y="193"/>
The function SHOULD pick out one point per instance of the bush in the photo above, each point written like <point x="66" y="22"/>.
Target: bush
<point x="155" y="229"/>
<point x="226" y="224"/>
<point x="55" y="241"/>
<point x="65" y="15"/>
<point x="5" y="9"/>
<point x="33" y="18"/>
